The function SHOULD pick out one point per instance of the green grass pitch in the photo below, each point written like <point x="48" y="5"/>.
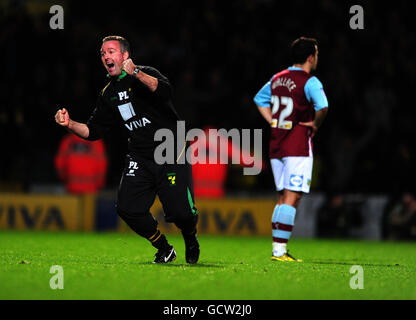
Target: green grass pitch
<point x="118" y="266"/>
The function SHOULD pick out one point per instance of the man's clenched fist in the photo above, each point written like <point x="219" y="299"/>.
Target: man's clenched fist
<point x="62" y="117"/>
<point x="128" y="66"/>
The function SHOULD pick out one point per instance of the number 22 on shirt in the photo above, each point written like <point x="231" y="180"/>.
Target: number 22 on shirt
<point x="287" y="105"/>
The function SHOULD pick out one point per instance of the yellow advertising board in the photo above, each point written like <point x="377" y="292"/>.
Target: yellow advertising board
<point x="223" y="216"/>
<point x="226" y="216"/>
<point x="46" y="212"/>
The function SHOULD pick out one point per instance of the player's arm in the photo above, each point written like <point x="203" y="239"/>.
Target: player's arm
<point x="80" y="129"/>
<point x="97" y="125"/>
<point x="151" y="78"/>
<point x="315" y="93"/>
<point x="320" y="116"/>
<point x="317" y="121"/>
<point x="266" y="113"/>
<point x="262" y="100"/>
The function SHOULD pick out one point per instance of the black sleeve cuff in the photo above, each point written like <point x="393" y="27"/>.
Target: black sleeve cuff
<point x="94" y="133"/>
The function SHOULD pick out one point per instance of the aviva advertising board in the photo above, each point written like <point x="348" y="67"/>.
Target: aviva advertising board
<point x="46" y="212"/>
<point x="86" y="213"/>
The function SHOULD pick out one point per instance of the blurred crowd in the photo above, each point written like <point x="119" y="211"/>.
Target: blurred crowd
<point x="217" y="55"/>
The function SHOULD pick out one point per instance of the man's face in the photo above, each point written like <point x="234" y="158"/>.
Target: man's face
<point x="112" y="57"/>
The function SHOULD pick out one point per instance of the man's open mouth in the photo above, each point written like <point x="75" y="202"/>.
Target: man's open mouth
<point x="110" y="65"/>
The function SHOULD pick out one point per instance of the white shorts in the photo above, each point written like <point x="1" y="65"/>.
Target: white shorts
<point x="293" y="173"/>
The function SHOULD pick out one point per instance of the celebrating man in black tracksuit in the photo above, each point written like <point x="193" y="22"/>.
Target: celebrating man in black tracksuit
<point x="140" y="99"/>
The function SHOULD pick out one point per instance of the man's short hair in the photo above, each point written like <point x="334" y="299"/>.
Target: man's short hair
<point x="302" y="48"/>
<point x="124" y="44"/>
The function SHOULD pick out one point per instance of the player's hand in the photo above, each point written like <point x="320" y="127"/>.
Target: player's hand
<point x="128" y="66"/>
<point x="310" y="124"/>
<point x="62" y="117"/>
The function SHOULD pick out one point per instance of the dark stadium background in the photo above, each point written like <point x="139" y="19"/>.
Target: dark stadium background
<point x="217" y="55"/>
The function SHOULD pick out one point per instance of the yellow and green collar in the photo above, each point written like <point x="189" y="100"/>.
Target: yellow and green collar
<point x="121" y="76"/>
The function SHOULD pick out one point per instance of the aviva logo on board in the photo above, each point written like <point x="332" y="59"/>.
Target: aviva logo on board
<point x="26" y="212"/>
<point x="23" y="217"/>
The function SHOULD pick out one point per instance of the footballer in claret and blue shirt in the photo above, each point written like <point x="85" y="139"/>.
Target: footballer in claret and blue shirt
<point x="294" y="103"/>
